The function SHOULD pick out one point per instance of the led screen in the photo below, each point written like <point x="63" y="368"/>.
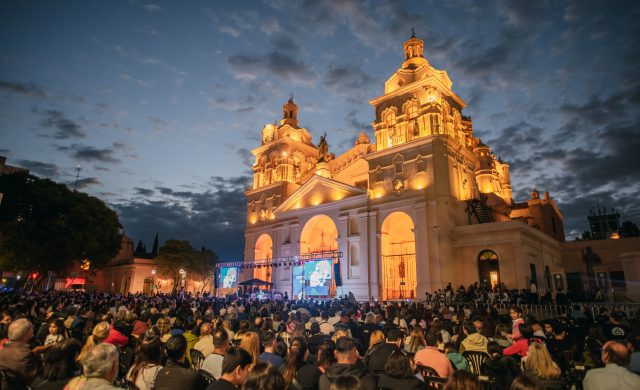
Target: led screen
<point x="317" y="275"/>
<point x="229" y="277"/>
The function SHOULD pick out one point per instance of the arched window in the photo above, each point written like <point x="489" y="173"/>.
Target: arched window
<point x="420" y="164"/>
<point x="398" y="162"/>
<point x="487" y="255"/>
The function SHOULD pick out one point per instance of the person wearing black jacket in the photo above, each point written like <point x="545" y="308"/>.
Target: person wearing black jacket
<point x="347" y="364"/>
<point x="501" y="369"/>
<point x="399" y="375"/>
<point x="176" y="374"/>
<point x="377" y="359"/>
<point x="235" y="369"/>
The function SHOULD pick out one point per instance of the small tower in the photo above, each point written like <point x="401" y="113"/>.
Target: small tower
<point x="290" y="113"/>
<point x="413" y="49"/>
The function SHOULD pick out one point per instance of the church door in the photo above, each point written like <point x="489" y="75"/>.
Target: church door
<point x="489" y="268"/>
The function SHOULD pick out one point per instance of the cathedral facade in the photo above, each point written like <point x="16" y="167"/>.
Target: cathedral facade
<point x="422" y="204"/>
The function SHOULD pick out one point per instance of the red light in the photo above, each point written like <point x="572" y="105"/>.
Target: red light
<point x="34" y="275"/>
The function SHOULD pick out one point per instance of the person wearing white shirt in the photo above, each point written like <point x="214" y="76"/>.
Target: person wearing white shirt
<point x="205" y="343"/>
<point x="213" y="362"/>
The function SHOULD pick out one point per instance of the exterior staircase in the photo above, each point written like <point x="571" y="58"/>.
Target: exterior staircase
<point x="480" y="210"/>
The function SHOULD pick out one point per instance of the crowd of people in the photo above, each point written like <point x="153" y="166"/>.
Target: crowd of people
<point x="95" y="340"/>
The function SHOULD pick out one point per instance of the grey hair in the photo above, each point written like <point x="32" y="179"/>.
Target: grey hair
<point x="98" y="362"/>
<point x="370" y="318"/>
<point x="18" y="329"/>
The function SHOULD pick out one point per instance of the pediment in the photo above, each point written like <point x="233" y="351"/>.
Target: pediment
<point x="319" y="190"/>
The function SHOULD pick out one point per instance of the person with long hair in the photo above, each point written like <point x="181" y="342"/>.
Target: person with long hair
<point x="399" y="374"/>
<point x="250" y="342"/>
<point x="98" y="335"/>
<point x="164" y="324"/>
<point x="462" y="380"/>
<point x="205" y="341"/>
<point x="376" y="338"/>
<point x="57" y="332"/>
<point x="244" y="328"/>
<point x="309" y="374"/>
<point x="147" y="363"/>
<point x="264" y="376"/>
<point x="416" y="340"/>
<point x="59" y="364"/>
<point x="540" y="364"/>
<point x="296" y="357"/>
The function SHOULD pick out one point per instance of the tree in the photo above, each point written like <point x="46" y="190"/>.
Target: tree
<point x="154" y="250"/>
<point x="44" y="226"/>
<point x="629" y="229"/>
<point x="175" y="256"/>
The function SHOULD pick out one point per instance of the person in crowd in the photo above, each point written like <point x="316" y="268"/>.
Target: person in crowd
<point x="459" y="361"/>
<point x="516" y="319"/>
<point x="235" y="369"/>
<point x="59" y="365"/>
<point x="462" y="380"/>
<point x="205" y="341"/>
<point x="376" y="338"/>
<point x="147" y="363"/>
<point x="540" y="364"/>
<point x="213" y="362"/>
<point x="561" y="344"/>
<point x="399" y="374"/>
<point x="502" y="369"/>
<point x="325" y="326"/>
<point x="346" y="364"/>
<point x="16" y="354"/>
<point x="296" y="359"/>
<point x="176" y="373"/>
<point x="244" y="328"/>
<point x="526" y="382"/>
<point x="614" y="375"/>
<point x="634" y="348"/>
<point x="473" y="340"/>
<point x="140" y="325"/>
<point x="347" y="382"/>
<point x="430" y="356"/>
<point x="164" y="324"/>
<point x="416" y="340"/>
<point x="376" y="360"/>
<point x="98" y="335"/>
<point x="57" y="332"/>
<point x="520" y="346"/>
<point x="100" y="367"/>
<point x="616" y="328"/>
<point x="309" y="374"/>
<point x="367" y="328"/>
<point x="317" y="338"/>
<point x="115" y="337"/>
<point x="269" y="342"/>
<point x="265" y="376"/>
<point x="251" y="343"/>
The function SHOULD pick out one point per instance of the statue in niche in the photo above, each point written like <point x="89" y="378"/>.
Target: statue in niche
<point x="590" y="259"/>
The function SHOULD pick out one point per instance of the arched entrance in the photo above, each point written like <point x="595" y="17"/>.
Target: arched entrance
<point x="489" y="268"/>
<point x="398" y="250"/>
<point x="316" y="278"/>
<point x="319" y="234"/>
<point x="147" y="286"/>
<point x="262" y="251"/>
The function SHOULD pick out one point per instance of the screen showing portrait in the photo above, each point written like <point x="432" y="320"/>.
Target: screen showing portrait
<point x="317" y="275"/>
<point x="229" y="277"/>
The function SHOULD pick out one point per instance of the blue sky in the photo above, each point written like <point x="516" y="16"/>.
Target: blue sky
<point x="159" y="103"/>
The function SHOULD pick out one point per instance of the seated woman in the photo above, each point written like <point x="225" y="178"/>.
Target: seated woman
<point x="540" y="365"/>
<point x="147" y="363"/>
<point x="416" y="341"/>
<point x="399" y="374"/>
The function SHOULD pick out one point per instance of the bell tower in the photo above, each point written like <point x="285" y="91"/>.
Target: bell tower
<point x="290" y="113"/>
<point x="413" y="52"/>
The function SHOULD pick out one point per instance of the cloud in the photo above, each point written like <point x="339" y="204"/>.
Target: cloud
<point x="214" y="218"/>
<point x="64" y="127"/>
<point x="84" y="183"/>
<point x="144" y="191"/>
<point x="153" y="8"/>
<point x="285" y="42"/>
<point x="278" y="64"/>
<point x="350" y="81"/>
<point x="40" y="168"/>
<point x="231" y="106"/>
<point x="27" y="89"/>
<point x="89" y="153"/>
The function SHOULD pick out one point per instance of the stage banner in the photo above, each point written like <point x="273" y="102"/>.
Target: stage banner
<point x="229" y="277"/>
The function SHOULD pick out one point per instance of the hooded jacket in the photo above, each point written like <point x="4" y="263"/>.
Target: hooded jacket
<point x="502" y="369"/>
<point x="357" y="370"/>
<point x="474" y="342"/>
<point x="460" y="362"/>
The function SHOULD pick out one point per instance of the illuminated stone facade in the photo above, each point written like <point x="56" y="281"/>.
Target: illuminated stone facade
<point x="412" y="211"/>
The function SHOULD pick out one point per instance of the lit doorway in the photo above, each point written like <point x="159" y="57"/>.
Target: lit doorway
<point x="319" y="234"/>
<point x="489" y="268"/>
<point x="263" y="251"/>
<point x="398" y="250"/>
<point x="147" y="286"/>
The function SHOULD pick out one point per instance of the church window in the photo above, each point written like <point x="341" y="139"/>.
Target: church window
<point x="420" y="164"/>
<point x="398" y="162"/>
<point x="378" y="175"/>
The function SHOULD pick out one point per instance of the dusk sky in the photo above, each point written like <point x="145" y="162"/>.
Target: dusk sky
<point x="160" y="103"/>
